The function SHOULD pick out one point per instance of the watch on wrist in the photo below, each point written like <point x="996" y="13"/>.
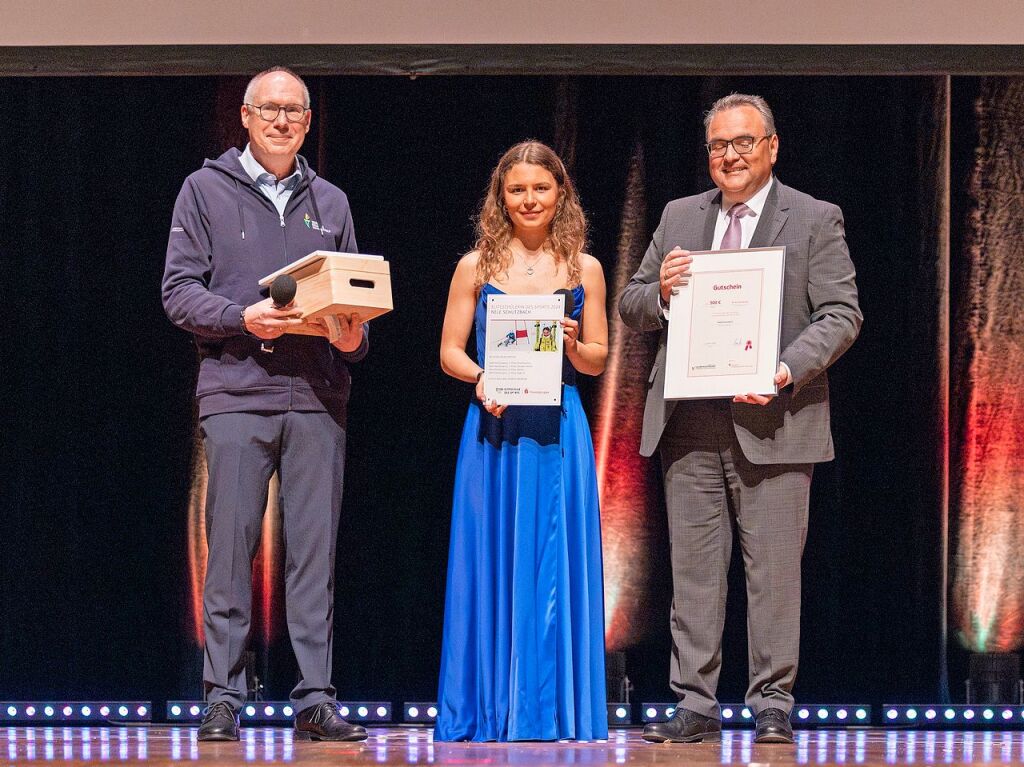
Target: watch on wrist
<point x="479" y="376"/>
<point x="245" y="329"/>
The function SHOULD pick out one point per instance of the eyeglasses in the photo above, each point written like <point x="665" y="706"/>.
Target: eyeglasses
<point x="293" y="113"/>
<point x="740" y="144"/>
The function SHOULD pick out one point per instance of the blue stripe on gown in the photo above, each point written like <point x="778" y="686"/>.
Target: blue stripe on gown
<point x="523" y="649"/>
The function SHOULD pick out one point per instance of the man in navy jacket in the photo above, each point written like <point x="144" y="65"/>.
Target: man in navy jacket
<point x="267" y="401"/>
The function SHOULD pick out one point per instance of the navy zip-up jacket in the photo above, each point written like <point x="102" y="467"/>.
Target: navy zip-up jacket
<point x="225" y="236"/>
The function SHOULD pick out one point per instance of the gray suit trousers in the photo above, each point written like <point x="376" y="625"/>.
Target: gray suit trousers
<point x="242" y="452"/>
<point x="709" y="487"/>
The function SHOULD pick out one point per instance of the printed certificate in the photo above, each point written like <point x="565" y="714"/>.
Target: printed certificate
<point x="724" y="325"/>
<point x="523" y="358"/>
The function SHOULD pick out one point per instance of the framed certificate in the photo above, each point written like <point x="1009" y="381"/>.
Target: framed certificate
<point x="724" y="325"/>
<point x="523" y="358"/>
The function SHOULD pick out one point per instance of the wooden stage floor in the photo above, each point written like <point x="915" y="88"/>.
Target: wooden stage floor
<point x="174" y="745"/>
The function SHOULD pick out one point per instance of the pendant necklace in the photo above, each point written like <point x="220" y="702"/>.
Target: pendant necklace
<point x="529" y="266"/>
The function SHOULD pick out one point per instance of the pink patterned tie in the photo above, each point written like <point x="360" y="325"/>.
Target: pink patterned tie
<point x="733" y="238"/>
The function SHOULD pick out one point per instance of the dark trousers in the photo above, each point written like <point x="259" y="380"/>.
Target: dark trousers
<point x="709" y="487"/>
<point x="242" y="452"/>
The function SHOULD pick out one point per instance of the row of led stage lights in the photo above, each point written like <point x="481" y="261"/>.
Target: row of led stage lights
<point x="278" y="710"/>
<point x="820" y="714"/>
<point x="55" y="711"/>
<point x="954" y="714"/>
<point x="425" y="712"/>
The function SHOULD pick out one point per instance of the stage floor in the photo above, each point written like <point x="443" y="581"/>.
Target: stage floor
<point x="166" y="745"/>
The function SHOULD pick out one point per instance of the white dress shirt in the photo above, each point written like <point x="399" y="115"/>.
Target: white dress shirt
<point x="748" y="223"/>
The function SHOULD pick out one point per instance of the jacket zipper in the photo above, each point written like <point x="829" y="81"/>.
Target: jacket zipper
<point x="291" y="379"/>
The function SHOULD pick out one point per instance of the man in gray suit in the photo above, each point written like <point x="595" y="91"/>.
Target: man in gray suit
<point x="747" y="461"/>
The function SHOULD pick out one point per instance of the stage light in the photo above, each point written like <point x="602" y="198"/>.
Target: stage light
<point x="48" y="710"/>
<point x="12" y="711"/>
<point x="803" y="713"/>
<point x="420" y="712"/>
<point x="841" y="714"/>
<point x="988" y="713"/>
<point x="969" y="714"/>
<point x="655" y="712"/>
<point x="345" y="711"/>
<point x="861" y="714"/>
<point x="104" y="711"/>
<point x="268" y="711"/>
<point x="892" y="713"/>
<point x="369" y="711"/>
<point x="288" y="711"/>
<point x="1007" y="714"/>
<point x="726" y="713"/>
<point x="929" y="714"/>
<point x="175" y="710"/>
<point x="194" y="710"/>
<point x="30" y="710"/>
<point x="822" y="713"/>
<point x="122" y="710"/>
<point x="250" y="711"/>
<point x="911" y="714"/>
<point x="949" y="713"/>
<point x="745" y="713"/>
<point x="621" y="713"/>
<point x="67" y="711"/>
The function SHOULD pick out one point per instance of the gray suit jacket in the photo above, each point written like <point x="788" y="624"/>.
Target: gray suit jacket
<point x="820" y="319"/>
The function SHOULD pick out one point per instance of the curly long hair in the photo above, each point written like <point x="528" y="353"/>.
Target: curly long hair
<point x="568" y="234"/>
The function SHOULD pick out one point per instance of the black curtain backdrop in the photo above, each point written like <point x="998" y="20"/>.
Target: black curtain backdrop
<point x="98" y="384"/>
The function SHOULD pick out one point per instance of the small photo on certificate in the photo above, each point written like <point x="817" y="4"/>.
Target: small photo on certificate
<point x="523" y="358"/>
<point x="724" y="325"/>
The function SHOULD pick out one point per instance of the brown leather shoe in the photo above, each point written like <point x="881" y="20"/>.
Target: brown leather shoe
<point x="773" y="726"/>
<point x="684" y="727"/>
<point x="323" y="722"/>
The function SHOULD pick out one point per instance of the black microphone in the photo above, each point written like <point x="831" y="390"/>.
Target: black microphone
<point x="570" y="302"/>
<point x="282" y="290"/>
<point x="282" y="293"/>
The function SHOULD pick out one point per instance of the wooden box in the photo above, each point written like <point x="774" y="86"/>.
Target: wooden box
<point x="338" y="283"/>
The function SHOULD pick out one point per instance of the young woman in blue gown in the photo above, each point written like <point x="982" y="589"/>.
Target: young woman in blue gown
<point x="523" y="649"/>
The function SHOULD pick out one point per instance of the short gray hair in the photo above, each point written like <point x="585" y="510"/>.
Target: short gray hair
<point x="251" y="87"/>
<point x="734" y="100"/>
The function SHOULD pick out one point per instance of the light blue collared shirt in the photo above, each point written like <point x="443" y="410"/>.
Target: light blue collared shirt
<point x="278" y="192"/>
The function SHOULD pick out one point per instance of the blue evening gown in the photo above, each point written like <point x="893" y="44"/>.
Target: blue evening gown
<point x="523" y="650"/>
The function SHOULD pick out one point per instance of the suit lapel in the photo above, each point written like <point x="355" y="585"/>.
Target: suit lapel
<point x="772" y="219"/>
<point x="711" y="205"/>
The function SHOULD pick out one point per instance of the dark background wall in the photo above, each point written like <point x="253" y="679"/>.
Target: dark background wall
<point x="98" y="418"/>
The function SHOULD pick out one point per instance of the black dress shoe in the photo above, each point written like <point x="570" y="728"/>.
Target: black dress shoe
<point x="772" y="726"/>
<point x="220" y="722"/>
<point x="684" y="727"/>
<point x="323" y="722"/>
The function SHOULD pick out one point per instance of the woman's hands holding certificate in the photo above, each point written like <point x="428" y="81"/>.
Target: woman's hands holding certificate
<point x="570" y="334"/>
<point x="490" y="405"/>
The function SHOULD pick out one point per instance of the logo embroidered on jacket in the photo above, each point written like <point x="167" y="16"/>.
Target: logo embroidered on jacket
<point x="311" y="224"/>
